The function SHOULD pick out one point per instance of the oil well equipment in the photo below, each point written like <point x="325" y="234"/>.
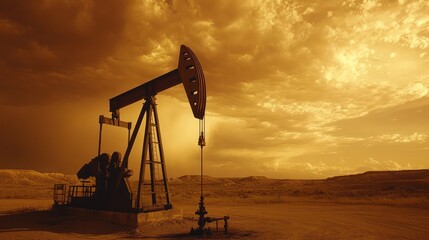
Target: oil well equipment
<point x="112" y="190"/>
<point x="112" y="193"/>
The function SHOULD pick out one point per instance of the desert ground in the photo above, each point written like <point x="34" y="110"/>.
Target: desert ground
<point x="372" y="205"/>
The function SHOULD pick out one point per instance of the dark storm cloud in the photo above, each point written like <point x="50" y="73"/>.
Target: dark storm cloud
<point x="48" y="46"/>
<point x="281" y="75"/>
<point x="60" y="34"/>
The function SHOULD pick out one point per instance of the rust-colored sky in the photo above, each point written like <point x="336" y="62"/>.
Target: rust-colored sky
<point x="296" y="89"/>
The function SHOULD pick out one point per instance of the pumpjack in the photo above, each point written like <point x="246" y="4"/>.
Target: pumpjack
<point x="112" y="190"/>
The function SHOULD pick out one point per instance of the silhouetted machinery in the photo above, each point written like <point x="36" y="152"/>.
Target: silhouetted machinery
<point x="112" y="189"/>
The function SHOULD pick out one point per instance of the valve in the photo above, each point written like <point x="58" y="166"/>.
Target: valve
<point x="202" y="140"/>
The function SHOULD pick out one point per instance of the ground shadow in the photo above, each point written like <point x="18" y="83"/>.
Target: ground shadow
<point x="230" y="235"/>
<point x="47" y="221"/>
<point x="32" y="220"/>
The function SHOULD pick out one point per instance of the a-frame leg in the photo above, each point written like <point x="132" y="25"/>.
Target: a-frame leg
<point x="152" y="147"/>
<point x="161" y="154"/>
<point x="139" y="200"/>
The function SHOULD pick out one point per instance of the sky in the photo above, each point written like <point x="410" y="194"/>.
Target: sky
<point x="295" y="89"/>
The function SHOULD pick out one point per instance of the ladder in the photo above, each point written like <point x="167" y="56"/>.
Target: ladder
<point x="153" y="163"/>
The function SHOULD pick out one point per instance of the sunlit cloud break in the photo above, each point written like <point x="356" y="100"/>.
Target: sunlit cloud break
<point x="296" y="89"/>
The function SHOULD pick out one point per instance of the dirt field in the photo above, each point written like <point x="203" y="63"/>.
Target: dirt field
<point x="248" y="221"/>
<point x="259" y="209"/>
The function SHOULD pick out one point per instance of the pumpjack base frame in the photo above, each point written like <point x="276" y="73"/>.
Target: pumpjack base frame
<point x="123" y="218"/>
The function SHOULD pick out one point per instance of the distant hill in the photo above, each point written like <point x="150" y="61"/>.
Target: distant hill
<point x="405" y="183"/>
<point x="31" y="177"/>
<point x="197" y="179"/>
<point x="368" y="186"/>
<point x="383" y="176"/>
<point x="35" y="177"/>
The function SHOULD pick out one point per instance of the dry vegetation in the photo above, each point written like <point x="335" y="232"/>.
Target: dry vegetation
<point x="399" y="187"/>
<point x="372" y="205"/>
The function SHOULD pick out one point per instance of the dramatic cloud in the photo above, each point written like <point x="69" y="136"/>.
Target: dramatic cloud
<point x="298" y="89"/>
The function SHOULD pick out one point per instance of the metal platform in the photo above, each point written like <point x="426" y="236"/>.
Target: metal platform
<point x="123" y="218"/>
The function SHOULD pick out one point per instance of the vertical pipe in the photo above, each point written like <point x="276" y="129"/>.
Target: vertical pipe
<point x="128" y="143"/>
<point x="202" y="194"/>
<point x="99" y="136"/>
<point x="201" y="142"/>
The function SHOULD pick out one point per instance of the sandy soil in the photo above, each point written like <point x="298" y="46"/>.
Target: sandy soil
<point x="330" y="221"/>
<point x="248" y="221"/>
<point x="367" y="206"/>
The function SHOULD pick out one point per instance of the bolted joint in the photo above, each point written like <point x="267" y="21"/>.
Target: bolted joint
<point x="201" y="140"/>
<point x="115" y="116"/>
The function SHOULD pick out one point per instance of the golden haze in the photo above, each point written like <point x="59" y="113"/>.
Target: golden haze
<point x="296" y="89"/>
